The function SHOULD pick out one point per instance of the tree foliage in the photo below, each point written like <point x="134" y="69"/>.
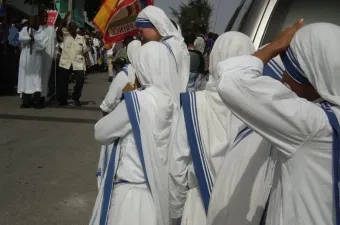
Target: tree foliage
<point x="194" y="11"/>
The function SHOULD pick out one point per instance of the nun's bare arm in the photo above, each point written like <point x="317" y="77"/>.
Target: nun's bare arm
<point x="280" y="44"/>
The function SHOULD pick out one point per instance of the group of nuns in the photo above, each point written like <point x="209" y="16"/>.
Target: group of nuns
<point x="260" y="145"/>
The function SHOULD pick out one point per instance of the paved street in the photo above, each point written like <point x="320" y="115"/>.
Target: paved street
<point x="48" y="160"/>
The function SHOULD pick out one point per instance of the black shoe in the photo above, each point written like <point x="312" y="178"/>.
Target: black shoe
<point x="77" y="102"/>
<point x="62" y="103"/>
<point x="42" y="101"/>
<point x="25" y="106"/>
<point x="110" y="79"/>
<point x="38" y="106"/>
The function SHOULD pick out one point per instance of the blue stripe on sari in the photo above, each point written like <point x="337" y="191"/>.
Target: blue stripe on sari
<point x="133" y="108"/>
<point x="201" y="167"/>
<point x="336" y="156"/>
<point x="293" y="67"/>
<point x="170" y="50"/>
<point x="108" y="186"/>
<point x="144" y="23"/>
<point x="273" y="70"/>
<point x="242" y="135"/>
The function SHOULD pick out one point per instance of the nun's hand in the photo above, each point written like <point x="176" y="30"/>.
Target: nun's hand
<point x="280" y="44"/>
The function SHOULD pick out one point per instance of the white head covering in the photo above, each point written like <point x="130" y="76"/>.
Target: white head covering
<point x="228" y="45"/>
<point x="159" y="110"/>
<point x="132" y="51"/>
<point x="314" y="55"/>
<point x="154" y="69"/>
<point x="152" y="16"/>
<point x="158" y="18"/>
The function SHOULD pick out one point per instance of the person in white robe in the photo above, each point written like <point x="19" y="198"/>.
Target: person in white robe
<point x="206" y="130"/>
<point x="48" y="54"/>
<point x="243" y="184"/>
<point x="154" y="25"/>
<point x="114" y="97"/>
<point x="95" y="47"/>
<point x="134" y="189"/>
<point x="299" y="117"/>
<point x="30" y="68"/>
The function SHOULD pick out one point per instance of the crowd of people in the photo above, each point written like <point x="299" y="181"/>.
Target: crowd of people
<point x="39" y="61"/>
<point x="256" y="141"/>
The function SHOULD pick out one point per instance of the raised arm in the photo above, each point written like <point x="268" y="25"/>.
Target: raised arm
<point x="60" y="27"/>
<point x="266" y="105"/>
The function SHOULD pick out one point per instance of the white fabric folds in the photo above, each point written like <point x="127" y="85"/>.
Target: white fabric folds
<point x="153" y="114"/>
<point x="210" y="129"/>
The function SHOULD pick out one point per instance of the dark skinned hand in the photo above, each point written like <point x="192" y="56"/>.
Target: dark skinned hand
<point x="280" y="44"/>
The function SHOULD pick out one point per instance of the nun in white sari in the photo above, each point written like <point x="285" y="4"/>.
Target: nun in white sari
<point x="206" y="130"/>
<point x="243" y="184"/>
<point x="304" y="133"/>
<point x="154" y="17"/>
<point x="134" y="189"/>
<point x="114" y="97"/>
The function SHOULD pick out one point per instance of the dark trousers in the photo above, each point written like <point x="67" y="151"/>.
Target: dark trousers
<point x="62" y="84"/>
<point x="9" y="69"/>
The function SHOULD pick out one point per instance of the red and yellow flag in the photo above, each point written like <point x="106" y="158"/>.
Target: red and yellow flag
<point x="116" y="19"/>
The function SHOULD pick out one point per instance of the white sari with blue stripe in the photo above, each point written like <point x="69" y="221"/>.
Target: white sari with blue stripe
<point x="304" y="133"/>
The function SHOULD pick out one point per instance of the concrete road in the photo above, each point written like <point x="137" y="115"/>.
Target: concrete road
<point x="48" y="160"/>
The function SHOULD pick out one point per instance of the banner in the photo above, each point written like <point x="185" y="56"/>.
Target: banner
<point x="52" y="17"/>
<point x="116" y="19"/>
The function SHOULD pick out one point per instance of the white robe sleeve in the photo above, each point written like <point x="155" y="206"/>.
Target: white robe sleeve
<point x="113" y="126"/>
<point x="266" y="105"/>
<point x="24" y="37"/>
<point x="114" y="94"/>
<point x="178" y="171"/>
<point x="40" y="40"/>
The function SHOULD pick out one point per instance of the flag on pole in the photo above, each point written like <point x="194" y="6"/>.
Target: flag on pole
<point x="116" y="19"/>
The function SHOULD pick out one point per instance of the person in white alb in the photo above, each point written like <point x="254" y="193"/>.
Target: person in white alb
<point x="33" y="40"/>
<point x="95" y="46"/>
<point x="299" y="117"/>
<point x="206" y="130"/>
<point x="48" y="54"/>
<point x="109" y="54"/>
<point x="71" y="60"/>
<point x="134" y="189"/>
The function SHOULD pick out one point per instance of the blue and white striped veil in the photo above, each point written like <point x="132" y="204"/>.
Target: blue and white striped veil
<point x="153" y="114"/>
<point x="274" y="69"/>
<point x="211" y="126"/>
<point x="153" y="16"/>
<point x="313" y="58"/>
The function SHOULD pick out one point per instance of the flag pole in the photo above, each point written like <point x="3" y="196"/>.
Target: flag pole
<point x="218" y="7"/>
